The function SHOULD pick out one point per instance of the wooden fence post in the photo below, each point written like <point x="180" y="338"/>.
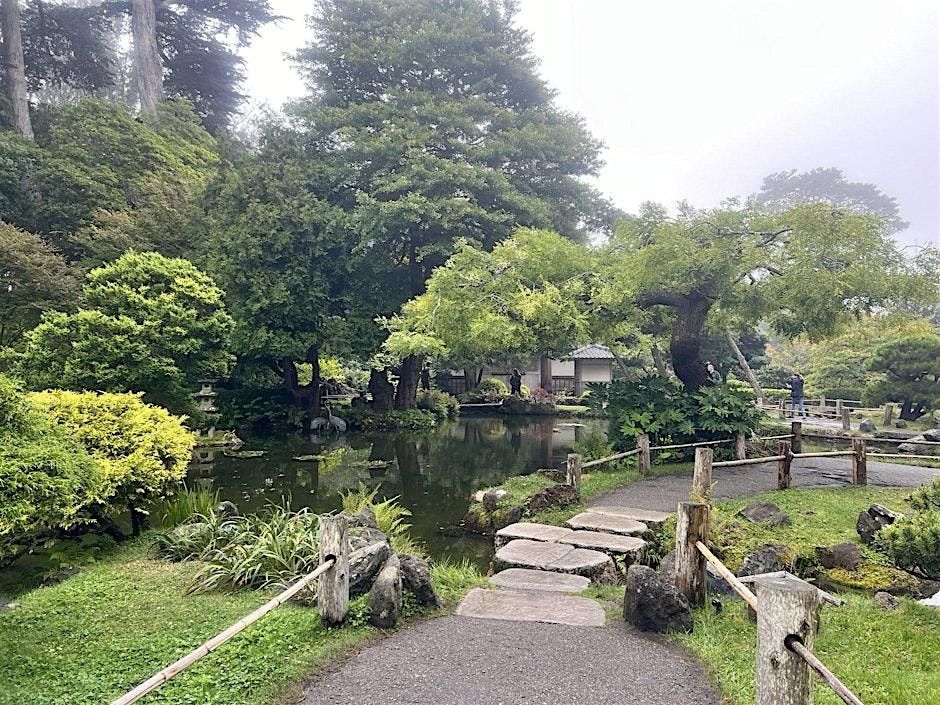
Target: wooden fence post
<point x="691" y="526"/>
<point x="783" y="465"/>
<point x="740" y="447"/>
<point x="859" y="462"/>
<point x="573" y="472"/>
<point x="889" y="414"/>
<point x="846" y="419"/>
<point x="822" y="402"/>
<point x="782" y="409"/>
<point x="784" y="607"/>
<point x="796" y="430"/>
<point x="644" y="462"/>
<point x="333" y="586"/>
<point x="839" y="408"/>
<point x="702" y="475"/>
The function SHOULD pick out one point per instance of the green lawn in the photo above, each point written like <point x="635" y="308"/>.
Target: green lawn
<point x="886" y="658"/>
<point x="94" y="636"/>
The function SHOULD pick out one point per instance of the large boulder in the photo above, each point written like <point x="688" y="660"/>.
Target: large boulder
<point x="841" y="555"/>
<point x="385" y="595"/>
<point x="867" y="426"/>
<point x="364" y="518"/>
<point x="492" y="498"/>
<point x="416" y="578"/>
<point x="365" y="563"/>
<point x="932" y="435"/>
<point x="552" y="497"/>
<point x="766" y="559"/>
<point x="873" y="520"/>
<point x="765" y="513"/>
<point x="226" y="509"/>
<point x="912" y="445"/>
<point x="652" y="603"/>
<point x="887" y="601"/>
<point x="714" y="583"/>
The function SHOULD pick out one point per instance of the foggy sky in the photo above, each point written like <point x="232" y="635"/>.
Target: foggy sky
<point x="701" y="100"/>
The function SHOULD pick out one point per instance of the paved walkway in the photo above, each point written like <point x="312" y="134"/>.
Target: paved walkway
<point x="665" y="492"/>
<point x="464" y="661"/>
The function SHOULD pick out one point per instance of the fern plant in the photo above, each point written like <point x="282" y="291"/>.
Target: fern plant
<point x="390" y="516"/>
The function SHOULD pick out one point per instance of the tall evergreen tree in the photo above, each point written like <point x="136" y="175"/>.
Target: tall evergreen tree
<point x="426" y="122"/>
<point x="14" y="74"/>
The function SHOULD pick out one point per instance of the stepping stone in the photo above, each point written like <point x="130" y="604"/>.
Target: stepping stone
<point x="519" y="606"/>
<point x="608" y="543"/>
<point x="559" y="557"/>
<point x="652" y="519"/>
<point x="592" y="521"/>
<point x="540" y="580"/>
<point x="528" y="530"/>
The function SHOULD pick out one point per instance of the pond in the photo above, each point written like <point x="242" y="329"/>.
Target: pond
<point x="433" y="474"/>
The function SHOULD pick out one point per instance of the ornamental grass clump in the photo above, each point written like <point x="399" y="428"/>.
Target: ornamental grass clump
<point x="390" y="516"/>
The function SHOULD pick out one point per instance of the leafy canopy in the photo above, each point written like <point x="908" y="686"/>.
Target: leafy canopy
<point x="911" y="374"/>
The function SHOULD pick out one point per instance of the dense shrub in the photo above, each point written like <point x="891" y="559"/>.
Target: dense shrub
<point x="441" y="404"/>
<point x="411" y="420"/>
<point x="46" y="478"/>
<point x="143" y="450"/>
<point x="927" y="497"/>
<point x="489" y="391"/>
<point x="914" y="541"/>
<point x="593" y="445"/>
<point x="669" y="413"/>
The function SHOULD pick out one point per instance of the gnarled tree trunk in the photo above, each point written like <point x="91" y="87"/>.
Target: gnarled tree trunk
<point x="684" y="348"/>
<point x="306" y="396"/>
<point x="147" y="62"/>
<point x="408" y="377"/>
<point x="545" y="373"/>
<point x="745" y="368"/>
<point x="15" y="66"/>
<point x="471" y="378"/>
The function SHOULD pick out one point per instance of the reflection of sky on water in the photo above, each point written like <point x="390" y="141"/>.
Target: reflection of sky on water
<point x="433" y="474"/>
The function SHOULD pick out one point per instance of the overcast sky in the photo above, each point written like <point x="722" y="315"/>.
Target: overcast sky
<point x="700" y="100"/>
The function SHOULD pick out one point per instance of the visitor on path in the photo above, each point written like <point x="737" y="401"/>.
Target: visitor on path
<point x="515" y="382"/>
<point x="713" y="374"/>
<point x="426" y="377"/>
<point x="796" y="394"/>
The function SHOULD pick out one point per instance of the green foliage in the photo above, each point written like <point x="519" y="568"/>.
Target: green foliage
<point x="670" y="414"/>
<point x="593" y="445"/>
<point x="185" y="504"/>
<point x="453" y="579"/>
<point x="47" y="479"/>
<point x="409" y="420"/>
<point x="142" y="450"/>
<point x="927" y="497"/>
<point x="528" y="296"/>
<point x="914" y="541"/>
<point x="492" y="387"/>
<point x="157" y="325"/>
<point x="34" y="279"/>
<point x="390" y="516"/>
<point x="105" y="182"/>
<point x="439" y="403"/>
<point x="911" y="374"/>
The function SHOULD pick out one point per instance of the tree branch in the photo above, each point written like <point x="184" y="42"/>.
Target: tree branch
<point x="660" y="297"/>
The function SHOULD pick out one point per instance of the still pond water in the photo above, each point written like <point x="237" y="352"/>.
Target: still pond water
<point x="433" y="474"/>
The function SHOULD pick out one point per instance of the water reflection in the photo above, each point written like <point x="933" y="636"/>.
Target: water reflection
<point x="433" y="474"/>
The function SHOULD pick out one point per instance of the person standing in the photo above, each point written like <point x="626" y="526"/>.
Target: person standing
<point x="515" y="382"/>
<point x="796" y="394"/>
<point x="713" y="374"/>
<point x="426" y="376"/>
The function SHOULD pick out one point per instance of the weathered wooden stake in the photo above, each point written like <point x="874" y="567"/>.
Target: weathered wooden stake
<point x="691" y="526"/>
<point x="784" y="607"/>
<point x="783" y="465"/>
<point x="846" y="419"/>
<point x="702" y="475"/>
<point x="333" y="587"/>
<point x="859" y="462"/>
<point x="573" y="472"/>
<point x="796" y="430"/>
<point x="740" y="447"/>
<point x="782" y="409"/>
<point x="644" y="462"/>
<point x="839" y="408"/>
<point x="889" y="414"/>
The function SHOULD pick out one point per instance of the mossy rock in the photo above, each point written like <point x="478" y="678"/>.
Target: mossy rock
<point x="478" y="520"/>
<point x="873" y="578"/>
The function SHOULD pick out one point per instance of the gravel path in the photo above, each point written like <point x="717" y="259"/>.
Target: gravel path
<point x="463" y="661"/>
<point x="665" y="492"/>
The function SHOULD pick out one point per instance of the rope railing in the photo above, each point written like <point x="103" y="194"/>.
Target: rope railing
<point x="794" y="644"/>
<point x="611" y="458"/>
<point x="332" y="604"/>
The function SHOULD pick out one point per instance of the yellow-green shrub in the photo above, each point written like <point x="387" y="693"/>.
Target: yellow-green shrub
<point x="143" y="450"/>
<point x="46" y="478"/>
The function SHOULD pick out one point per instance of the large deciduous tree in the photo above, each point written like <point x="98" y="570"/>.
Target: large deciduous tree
<point x="804" y="271"/>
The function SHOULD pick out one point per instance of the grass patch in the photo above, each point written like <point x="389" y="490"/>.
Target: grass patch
<point x="886" y="658"/>
<point x="99" y="633"/>
<point x="454" y="579"/>
<point x="819" y="517"/>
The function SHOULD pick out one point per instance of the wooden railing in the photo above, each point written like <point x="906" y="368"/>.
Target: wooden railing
<point x="332" y="575"/>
